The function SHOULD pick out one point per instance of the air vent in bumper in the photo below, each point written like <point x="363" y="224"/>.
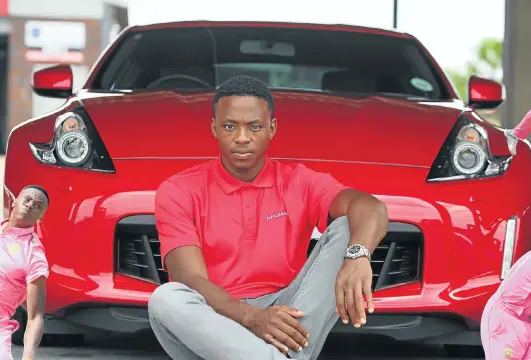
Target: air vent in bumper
<point x="396" y="261"/>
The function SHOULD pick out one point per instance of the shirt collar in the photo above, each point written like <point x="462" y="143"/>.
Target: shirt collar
<point x="230" y="184"/>
<point x="16" y="231"/>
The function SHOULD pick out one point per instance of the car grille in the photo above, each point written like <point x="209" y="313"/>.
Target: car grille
<point x="396" y="261"/>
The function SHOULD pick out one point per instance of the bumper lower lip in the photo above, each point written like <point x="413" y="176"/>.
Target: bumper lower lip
<point x="428" y="328"/>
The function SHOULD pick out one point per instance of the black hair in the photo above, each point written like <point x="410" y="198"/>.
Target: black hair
<point x="244" y="86"/>
<point x="41" y="189"/>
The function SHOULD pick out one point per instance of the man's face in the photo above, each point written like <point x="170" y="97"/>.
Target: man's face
<point x="243" y="127"/>
<point x="29" y="207"/>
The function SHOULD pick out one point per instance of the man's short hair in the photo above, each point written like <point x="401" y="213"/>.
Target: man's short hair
<point x="244" y="86"/>
<point x="41" y="189"/>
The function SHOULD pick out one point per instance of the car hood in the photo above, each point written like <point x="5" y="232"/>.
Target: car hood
<point x="323" y="127"/>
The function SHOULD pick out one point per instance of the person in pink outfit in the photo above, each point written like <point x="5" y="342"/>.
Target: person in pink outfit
<point x="506" y="319"/>
<point x="23" y="271"/>
<point x="521" y="131"/>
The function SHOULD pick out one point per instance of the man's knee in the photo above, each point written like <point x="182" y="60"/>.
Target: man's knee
<point x="339" y="224"/>
<point x="174" y="297"/>
<point x="338" y="233"/>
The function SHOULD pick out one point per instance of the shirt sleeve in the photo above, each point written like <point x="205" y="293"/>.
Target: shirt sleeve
<point x="175" y="222"/>
<point x="320" y="189"/>
<point x="37" y="262"/>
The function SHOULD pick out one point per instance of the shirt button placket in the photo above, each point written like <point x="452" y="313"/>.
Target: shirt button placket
<point x="248" y="213"/>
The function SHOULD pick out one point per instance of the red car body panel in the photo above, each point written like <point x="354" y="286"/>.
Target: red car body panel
<point x="380" y="145"/>
<point x="345" y="129"/>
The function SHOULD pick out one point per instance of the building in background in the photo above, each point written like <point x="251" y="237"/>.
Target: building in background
<point x="35" y="34"/>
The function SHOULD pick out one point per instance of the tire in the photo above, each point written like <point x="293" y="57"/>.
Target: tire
<point x="47" y="339"/>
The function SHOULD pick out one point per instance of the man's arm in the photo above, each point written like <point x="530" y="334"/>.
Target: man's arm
<point x="35" y="303"/>
<point x="367" y="217"/>
<point x="187" y="266"/>
<point x="368" y="221"/>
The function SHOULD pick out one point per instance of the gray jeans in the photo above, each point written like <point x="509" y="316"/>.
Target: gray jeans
<point x="189" y="329"/>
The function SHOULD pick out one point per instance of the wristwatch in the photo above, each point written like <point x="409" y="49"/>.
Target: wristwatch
<point x="356" y="251"/>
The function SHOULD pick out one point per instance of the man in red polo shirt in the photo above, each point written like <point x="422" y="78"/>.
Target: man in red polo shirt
<point x="234" y="234"/>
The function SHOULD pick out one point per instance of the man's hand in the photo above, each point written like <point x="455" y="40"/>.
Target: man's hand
<point x="353" y="280"/>
<point x="278" y="325"/>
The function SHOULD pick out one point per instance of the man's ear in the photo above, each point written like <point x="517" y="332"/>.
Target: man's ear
<point x="272" y="128"/>
<point x="213" y="127"/>
<point x="43" y="213"/>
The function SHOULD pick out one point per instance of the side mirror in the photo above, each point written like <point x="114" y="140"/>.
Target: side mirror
<point x="55" y="81"/>
<point x="485" y="93"/>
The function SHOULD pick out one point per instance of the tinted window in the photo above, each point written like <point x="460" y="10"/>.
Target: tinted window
<point x="199" y="58"/>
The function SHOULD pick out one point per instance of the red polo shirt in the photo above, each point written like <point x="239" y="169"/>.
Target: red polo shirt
<point x="254" y="236"/>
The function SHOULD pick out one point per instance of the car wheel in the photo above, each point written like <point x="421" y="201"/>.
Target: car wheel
<point x="47" y="339"/>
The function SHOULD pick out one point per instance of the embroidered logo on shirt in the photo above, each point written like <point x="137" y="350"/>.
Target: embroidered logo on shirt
<point x="277" y="215"/>
<point x="14" y="249"/>
<point x="507" y="352"/>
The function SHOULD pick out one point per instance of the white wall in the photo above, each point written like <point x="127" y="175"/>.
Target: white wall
<point x="360" y="12"/>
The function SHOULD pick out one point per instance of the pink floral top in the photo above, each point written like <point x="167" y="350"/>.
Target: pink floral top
<point x="22" y="261"/>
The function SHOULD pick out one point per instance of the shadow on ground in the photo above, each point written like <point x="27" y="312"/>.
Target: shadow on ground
<point x="337" y="348"/>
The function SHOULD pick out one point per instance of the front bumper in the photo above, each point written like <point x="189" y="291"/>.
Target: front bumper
<point x="439" y="299"/>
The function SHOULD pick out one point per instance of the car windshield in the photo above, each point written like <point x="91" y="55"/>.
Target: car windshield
<point x="333" y="61"/>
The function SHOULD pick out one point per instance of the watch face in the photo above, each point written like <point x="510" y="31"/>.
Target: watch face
<point x="354" y="249"/>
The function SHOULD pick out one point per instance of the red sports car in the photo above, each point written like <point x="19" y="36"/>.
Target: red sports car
<point x="369" y="106"/>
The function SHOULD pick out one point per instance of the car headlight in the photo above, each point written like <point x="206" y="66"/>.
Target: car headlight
<point x="75" y="143"/>
<point x="465" y="155"/>
<point x="468" y="158"/>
